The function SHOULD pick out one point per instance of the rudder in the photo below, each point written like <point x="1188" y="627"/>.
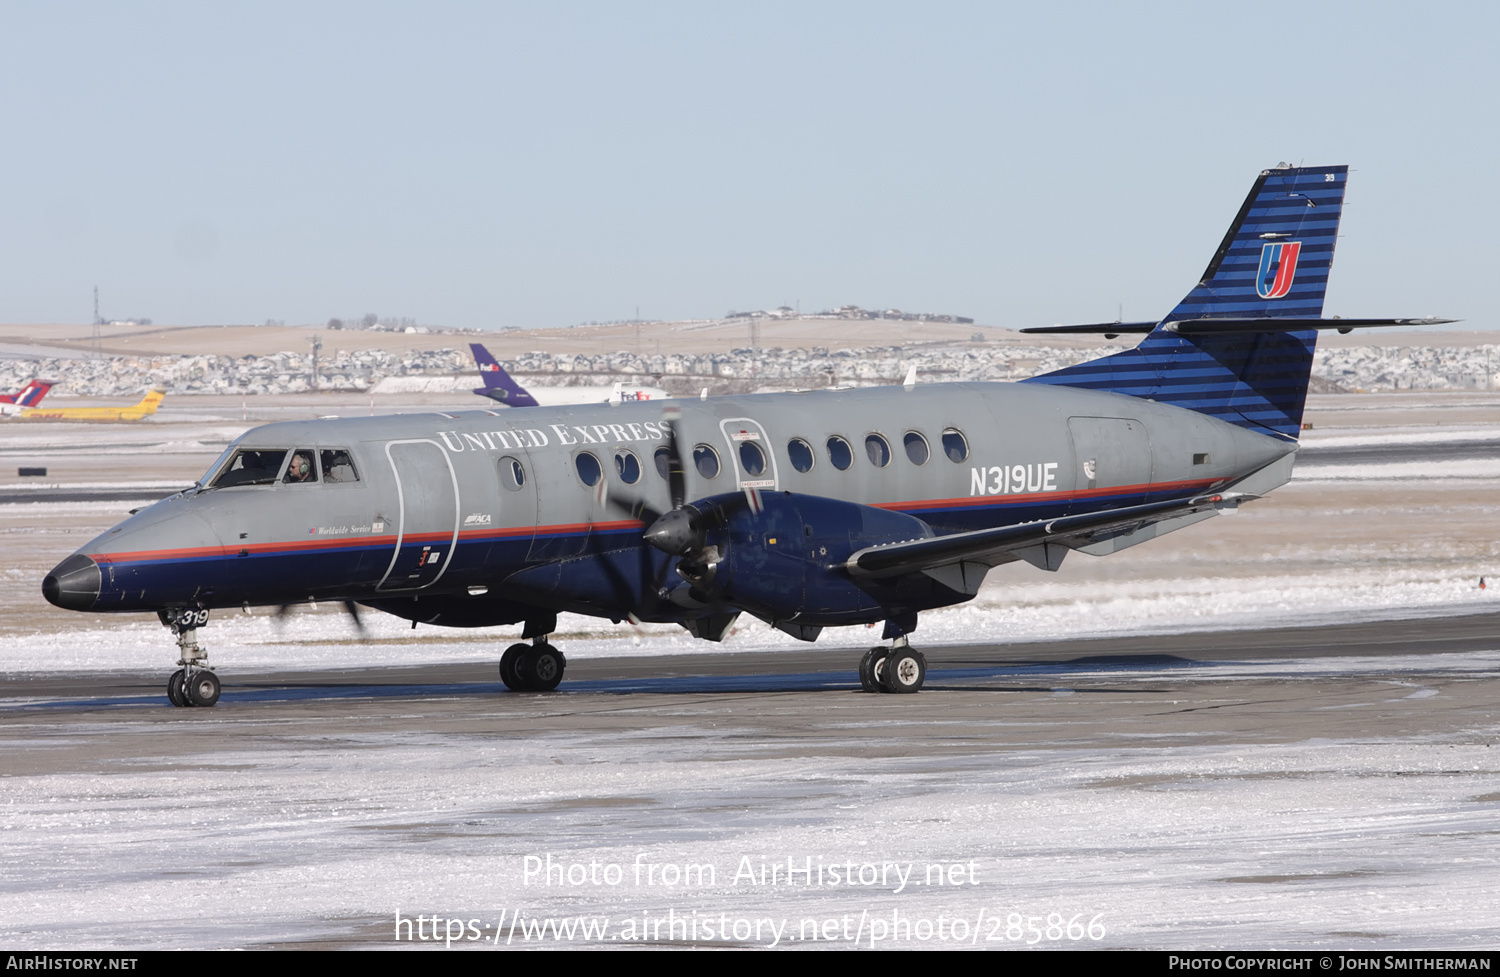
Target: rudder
<point x="1272" y="264"/>
<point x="498" y="385"/>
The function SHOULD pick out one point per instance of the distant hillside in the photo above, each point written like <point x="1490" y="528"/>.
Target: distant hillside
<point x="741" y="370"/>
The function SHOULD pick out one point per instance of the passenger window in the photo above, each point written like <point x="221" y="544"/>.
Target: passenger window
<point x="878" y="450"/>
<point x="752" y="458"/>
<point x="955" y="445"/>
<point x="840" y="453"/>
<point x="337" y="466"/>
<point x="252" y="466"/>
<point x="916" y="448"/>
<point x="627" y="466"/>
<point x="706" y="460"/>
<point x="588" y="468"/>
<point x="801" y="454"/>
<point x="301" y="470"/>
<point x="663" y="459"/>
<point x="512" y="475"/>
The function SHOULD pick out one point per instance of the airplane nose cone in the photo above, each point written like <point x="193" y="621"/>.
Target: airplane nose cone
<point x="73" y="584"/>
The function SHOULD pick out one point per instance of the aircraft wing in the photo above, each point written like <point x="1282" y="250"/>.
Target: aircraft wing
<point x="991" y="547"/>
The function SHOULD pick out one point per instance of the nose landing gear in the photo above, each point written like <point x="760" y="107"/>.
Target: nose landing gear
<point x="194" y="684"/>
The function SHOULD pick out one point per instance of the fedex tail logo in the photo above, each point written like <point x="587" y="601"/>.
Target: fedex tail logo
<point x="1278" y="266"/>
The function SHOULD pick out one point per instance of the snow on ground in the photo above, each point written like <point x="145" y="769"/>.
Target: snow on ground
<point x="1467" y="468"/>
<point x="1315" y="844"/>
<point x="1423" y="435"/>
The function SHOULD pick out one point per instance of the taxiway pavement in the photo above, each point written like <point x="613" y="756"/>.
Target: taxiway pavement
<point x="1334" y="786"/>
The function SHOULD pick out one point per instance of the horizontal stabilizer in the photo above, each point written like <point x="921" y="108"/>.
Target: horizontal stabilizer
<point x="1229" y="324"/>
<point x="1110" y="329"/>
<point x="994" y="546"/>
<point x="1208" y="326"/>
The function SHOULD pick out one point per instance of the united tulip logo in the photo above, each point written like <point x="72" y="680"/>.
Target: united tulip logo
<point x="1278" y="266"/>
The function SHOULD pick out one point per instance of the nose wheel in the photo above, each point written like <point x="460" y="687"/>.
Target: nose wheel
<point x="194" y="684"/>
<point x="200" y="688"/>
<point x="537" y="667"/>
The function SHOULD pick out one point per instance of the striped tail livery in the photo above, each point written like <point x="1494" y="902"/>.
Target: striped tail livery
<point x="1240" y="345"/>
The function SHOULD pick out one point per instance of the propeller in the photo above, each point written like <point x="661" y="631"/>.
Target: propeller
<point x="350" y="608"/>
<point x="681" y="531"/>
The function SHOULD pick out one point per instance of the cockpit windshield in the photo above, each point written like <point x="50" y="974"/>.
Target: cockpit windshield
<point x="219" y="461"/>
<point x="251" y="466"/>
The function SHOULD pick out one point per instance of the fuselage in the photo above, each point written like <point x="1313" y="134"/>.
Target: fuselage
<point x="135" y="412"/>
<point x="487" y="513"/>
<point x="573" y="396"/>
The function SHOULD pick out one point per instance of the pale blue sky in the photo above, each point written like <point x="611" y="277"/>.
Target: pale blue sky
<point x="496" y="164"/>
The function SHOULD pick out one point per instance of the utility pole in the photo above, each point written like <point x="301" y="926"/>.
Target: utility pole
<point x="98" y="340"/>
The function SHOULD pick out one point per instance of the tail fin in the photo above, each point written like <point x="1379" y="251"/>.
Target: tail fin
<point x="152" y="400"/>
<point x="1273" y="264"/>
<point x="30" y="395"/>
<point x="498" y="384"/>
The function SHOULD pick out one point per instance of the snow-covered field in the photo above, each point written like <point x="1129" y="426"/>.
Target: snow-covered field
<point x="304" y="832"/>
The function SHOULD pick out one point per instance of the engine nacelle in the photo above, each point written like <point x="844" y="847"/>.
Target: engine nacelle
<point x="785" y="563"/>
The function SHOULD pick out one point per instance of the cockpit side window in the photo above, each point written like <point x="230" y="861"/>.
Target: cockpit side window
<point x="301" y="470"/>
<point x="252" y="466"/>
<point x="337" y="466"/>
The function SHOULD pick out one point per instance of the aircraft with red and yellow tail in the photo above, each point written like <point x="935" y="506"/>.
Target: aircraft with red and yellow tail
<point x="135" y="412"/>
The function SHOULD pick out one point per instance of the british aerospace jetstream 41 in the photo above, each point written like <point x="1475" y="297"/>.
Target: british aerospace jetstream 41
<point x="807" y="510"/>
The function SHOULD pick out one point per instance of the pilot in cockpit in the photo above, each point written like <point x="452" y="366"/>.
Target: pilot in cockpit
<point x="300" y="469"/>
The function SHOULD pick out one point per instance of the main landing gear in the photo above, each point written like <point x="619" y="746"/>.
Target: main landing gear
<point x="899" y="668"/>
<point x="194" y="684"/>
<point x="537" y="667"/>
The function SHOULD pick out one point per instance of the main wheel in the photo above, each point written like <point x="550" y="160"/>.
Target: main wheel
<point x="175" y="695"/>
<point x="905" y="671"/>
<point x="870" y="668"/>
<point x="540" y="669"/>
<point x="508" y="666"/>
<point x="203" y="688"/>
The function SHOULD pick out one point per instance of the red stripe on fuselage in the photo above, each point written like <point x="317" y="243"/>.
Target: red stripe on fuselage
<point x="351" y="542"/>
<point x="480" y="535"/>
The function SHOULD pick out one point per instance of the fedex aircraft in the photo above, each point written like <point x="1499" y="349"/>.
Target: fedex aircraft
<point x="808" y="510"/>
<point x="500" y="387"/>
